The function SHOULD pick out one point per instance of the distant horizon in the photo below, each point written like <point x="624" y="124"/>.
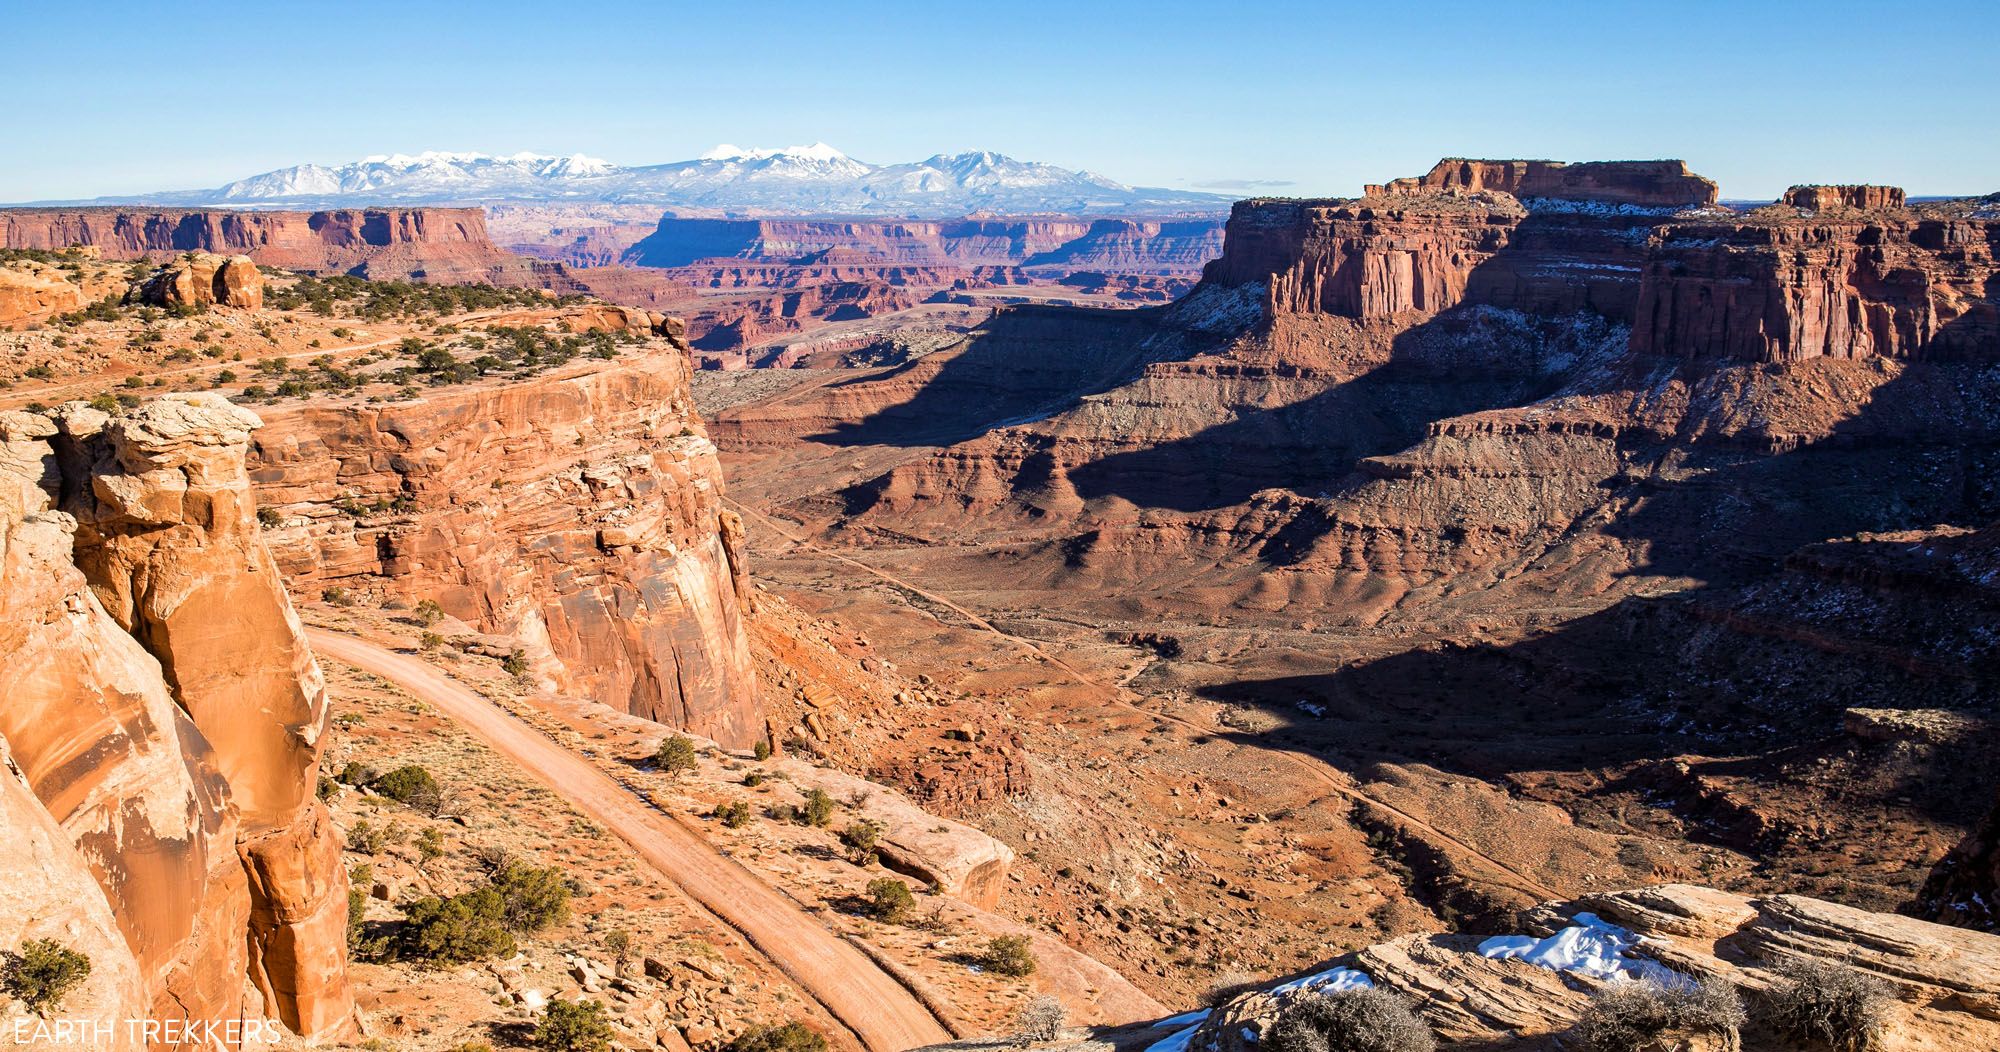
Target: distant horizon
<point x="1281" y="98"/>
<point x="727" y="149"/>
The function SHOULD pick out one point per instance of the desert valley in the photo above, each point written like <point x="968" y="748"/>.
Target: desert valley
<point x="775" y="602"/>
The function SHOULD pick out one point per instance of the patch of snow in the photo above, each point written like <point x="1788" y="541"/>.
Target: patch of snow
<point x="1333" y="980"/>
<point x="1183" y="1019"/>
<point x="1178" y="1041"/>
<point x="1592" y="946"/>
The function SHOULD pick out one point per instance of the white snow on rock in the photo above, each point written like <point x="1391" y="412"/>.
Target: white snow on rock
<point x="1592" y="946"/>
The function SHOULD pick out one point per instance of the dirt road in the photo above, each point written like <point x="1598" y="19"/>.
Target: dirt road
<point x="884" y="1015"/>
<point x="1499" y="873"/>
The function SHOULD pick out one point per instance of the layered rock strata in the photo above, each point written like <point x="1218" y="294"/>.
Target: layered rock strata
<point x="579" y="513"/>
<point x="167" y="711"/>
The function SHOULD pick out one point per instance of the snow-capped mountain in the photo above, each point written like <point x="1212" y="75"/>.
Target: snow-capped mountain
<point x="794" y="180"/>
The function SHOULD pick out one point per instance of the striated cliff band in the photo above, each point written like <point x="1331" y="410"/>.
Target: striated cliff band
<point x="577" y="513"/>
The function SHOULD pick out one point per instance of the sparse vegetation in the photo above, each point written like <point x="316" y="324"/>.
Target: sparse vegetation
<point x="465" y="927"/>
<point x="429" y="612"/>
<point x="676" y="755"/>
<point x="784" y="1037"/>
<point x="735" y="814"/>
<point x="1040" y="1020"/>
<point x="818" y="808"/>
<point x="1009" y="955"/>
<point x="861" y="840"/>
<point x="532" y="898"/>
<point x="890" y="900"/>
<point x="1365" y="1020"/>
<point x="412" y="786"/>
<point x="43" y="972"/>
<point x="573" y="1026"/>
<point x="1632" y="1016"/>
<point x="1830" y="1003"/>
<point x="336" y="596"/>
<point x="762" y="750"/>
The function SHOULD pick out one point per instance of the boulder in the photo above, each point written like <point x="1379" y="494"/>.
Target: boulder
<point x="205" y="279"/>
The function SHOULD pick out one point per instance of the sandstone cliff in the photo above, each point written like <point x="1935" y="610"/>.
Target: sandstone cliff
<point x="166" y="709"/>
<point x="578" y="513"/>
<point x="1644" y="183"/>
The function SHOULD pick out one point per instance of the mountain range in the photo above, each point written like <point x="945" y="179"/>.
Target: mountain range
<point x="795" y="180"/>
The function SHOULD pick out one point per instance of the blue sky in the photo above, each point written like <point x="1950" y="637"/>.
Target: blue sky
<point x="1292" y="98"/>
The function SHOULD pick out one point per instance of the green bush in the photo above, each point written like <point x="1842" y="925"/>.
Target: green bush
<point x="1632" y="1016"/>
<point x="890" y="900"/>
<point x="1010" y="955"/>
<point x="788" y="1037"/>
<point x="1365" y="1020"/>
<point x="676" y="755"/>
<point x="818" y="809"/>
<point x="429" y="612"/>
<point x="269" y="517"/>
<point x="735" y="814"/>
<point x="467" y="927"/>
<point x="762" y="750"/>
<point x="515" y="664"/>
<point x="861" y="840"/>
<point x="1829" y="1003"/>
<point x="412" y="786"/>
<point x="532" y="898"/>
<point x="573" y="1026"/>
<point x="43" y="972"/>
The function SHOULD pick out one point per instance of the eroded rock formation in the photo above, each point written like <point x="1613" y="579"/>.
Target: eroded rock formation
<point x="165" y="709"/>
<point x="1946" y="981"/>
<point x="578" y="512"/>
<point x="1644" y="183"/>
<point x="205" y="279"/>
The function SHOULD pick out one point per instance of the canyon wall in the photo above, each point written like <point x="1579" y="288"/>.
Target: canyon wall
<point x="433" y="244"/>
<point x="165" y="713"/>
<point x="578" y="513"/>
<point x="1140" y="245"/>
<point x="1771" y="285"/>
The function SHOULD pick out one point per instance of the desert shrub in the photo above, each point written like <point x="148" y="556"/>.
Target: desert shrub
<point x="429" y="612"/>
<point x="573" y="1026"/>
<point x="1830" y="1003"/>
<point x="619" y="942"/>
<point x="532" y="898"/>
<point x="861" y="840"/>
<point x="753" y="779"/>
<point x="43" y="972"/>
<point x="367" y="838"/>
<point x="430" y="846"/>
<point x="1227" y="986"/>
<point x="1010" y="955"/>
<point x="890" y="900"/>
<point x="676" y="755"/>
<point x="412" y="786"/>
<point x="818" y="808"/>
<point x="1040" y="1020"/>
<point x="787" y="1037"/>
<point x="1364" y="1020"/>
<point x="735" y="814"/>
<point x="336" y="596"/>
<point x="1628" y="1016"/>
<point x="269" y="517"/>
<point x="515" y="664"/>
<point x="466" y="927"/>
<point x="354" y="772"/>
<point x="430" y="641"/>
<point x="761" y="750"/>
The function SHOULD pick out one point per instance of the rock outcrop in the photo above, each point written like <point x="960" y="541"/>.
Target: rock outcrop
<point x="578" y="512"/>
<point x="1829" y="198"/>
<point x="1648" y="184"/>
<point x="204" y="279"/>
<point x="165" y="709"/>
<point x="1946" y="981"/>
